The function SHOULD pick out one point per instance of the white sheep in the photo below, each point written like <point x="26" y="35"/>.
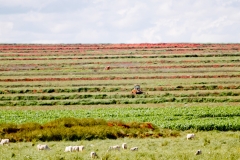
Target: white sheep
<point x="93" y="155"/>
<point x="68" y="149"/>
<point x="42" y="147"/>
<point x="4" y="141"/>
<point x="77" y="148"/>
<point x="198" y="152"/>
<point x="134" y="149"/>
<point x="116" y="147"/>
<point x="124" y="146"/>
<point x="190" y="136"/>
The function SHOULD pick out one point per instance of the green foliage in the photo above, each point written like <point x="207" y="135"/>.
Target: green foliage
<point x="72" y="129"/>
<point x="115" y="89"/>
<point x="222" y="118"/>
<point x="107" y="100"/>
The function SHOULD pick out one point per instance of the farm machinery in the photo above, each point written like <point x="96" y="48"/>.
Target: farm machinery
<point x="137" y="90"/>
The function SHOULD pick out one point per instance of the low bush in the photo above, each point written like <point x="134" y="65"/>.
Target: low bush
<point x="79" y="129"/>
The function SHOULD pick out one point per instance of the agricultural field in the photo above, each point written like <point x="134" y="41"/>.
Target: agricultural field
<point x="186" y="88"/>
<point x="214" y="146"/>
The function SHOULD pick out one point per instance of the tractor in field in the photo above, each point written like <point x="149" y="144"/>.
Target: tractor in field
<point x="137" y="90"/>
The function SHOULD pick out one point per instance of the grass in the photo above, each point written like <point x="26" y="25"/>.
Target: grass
<point x="121" y="92"/>
<point x="144" y="82"/>
<point x="214" y="145"/>
<point x="120" y="75"/>
<point x="221" y="117"/>
<point x="116" y="72"/>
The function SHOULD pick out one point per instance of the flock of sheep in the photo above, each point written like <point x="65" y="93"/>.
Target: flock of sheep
<point x="75" y="148"/>
<point x="81" y="148"/>
<point x="93" y="154"/>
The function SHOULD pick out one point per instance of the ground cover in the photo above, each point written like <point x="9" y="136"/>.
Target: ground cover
<point x="214" y="145"/>
<point x="187" y="87"/>
<point x="180" y="118"/>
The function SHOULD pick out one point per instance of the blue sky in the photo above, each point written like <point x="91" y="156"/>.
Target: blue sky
<point x="119" y="21"/>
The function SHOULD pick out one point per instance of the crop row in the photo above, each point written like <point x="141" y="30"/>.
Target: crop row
<point x="181" y="118"/>
<point x="118" y="78"/>
<point x="195" y="86"/>
<point x="116" y="96"/>
<point x="116" y="101"/>
<point x="66" y="72"/>
<point x="48" y="47"/>
<point x="158" y="56"/>
<point x="166" y="48"/>
<point x="104" y="89"/>
<point x="89" y="53"/>
<point x="162" y="51"/>
<point x="36" y="67"/>
<point x="146" y="63"/>
<point x="105" y="46"/>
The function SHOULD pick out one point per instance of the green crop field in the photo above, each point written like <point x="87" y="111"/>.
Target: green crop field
<point x="186" y="88"/>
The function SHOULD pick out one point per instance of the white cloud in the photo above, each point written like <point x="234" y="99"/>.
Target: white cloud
<point x="5" y="27"/>
<point x="26" y="3"/>
<point x="45" y="41"/>
<point x="151" y="35"/>
<point x="114" y="21"/>
<point x="209" y="38"/>
<point x="58" y="28"/>
<point x="34" y="17"/>
<point x="130" y="17"/>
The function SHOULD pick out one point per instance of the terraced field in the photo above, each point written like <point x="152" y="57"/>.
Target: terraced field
<point x="71" y="80"/>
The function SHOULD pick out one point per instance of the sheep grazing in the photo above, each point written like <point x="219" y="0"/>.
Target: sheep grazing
<point x="42" y="147"/>
<point x="74" y="148"/>
<point x="77" y="148"/>
<point x="190" y="136"/>
<point x="198" y="152"/>
<point x="69" y="149"/>
<point x="93" y="155"/>
<point x="4" y="141"/>
<point x="124" y="146"/>
<point x="117" y="147"/>
<point x="134" y="149"/>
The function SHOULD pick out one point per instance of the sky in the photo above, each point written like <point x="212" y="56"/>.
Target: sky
<point x="119" y="21"/>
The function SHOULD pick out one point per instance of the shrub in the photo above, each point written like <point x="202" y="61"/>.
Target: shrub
<point x="78" y="129"/>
